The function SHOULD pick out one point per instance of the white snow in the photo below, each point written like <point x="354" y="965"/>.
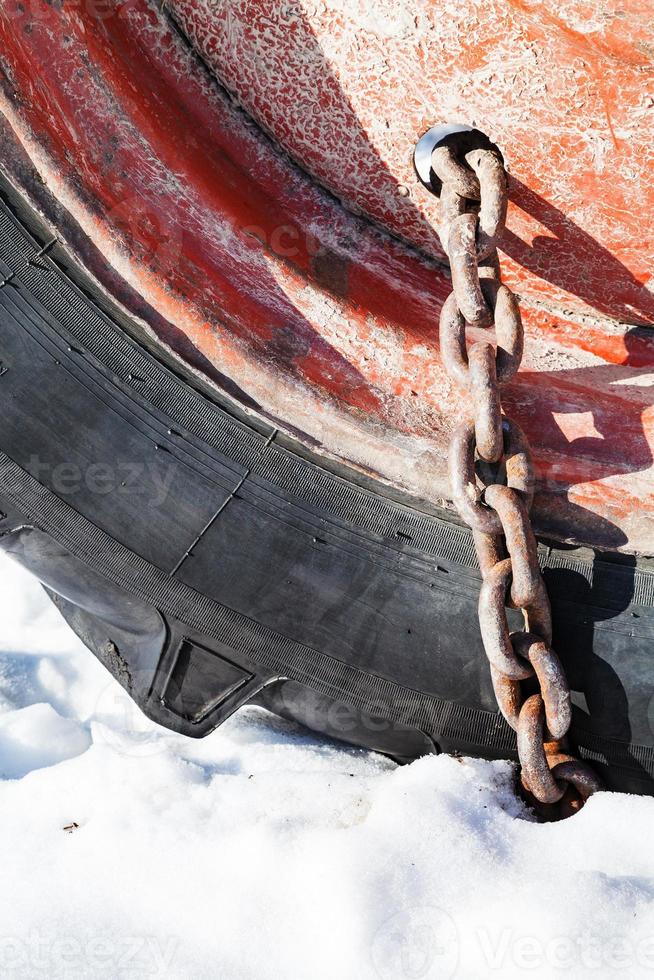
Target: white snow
<point x="265" y="852"/>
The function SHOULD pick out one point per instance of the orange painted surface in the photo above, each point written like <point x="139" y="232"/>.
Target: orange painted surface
<point x="317" y="319"/>
<point x="565" y="90"/>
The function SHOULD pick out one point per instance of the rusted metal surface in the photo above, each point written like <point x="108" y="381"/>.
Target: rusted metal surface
<point x="499" y="516"/>
<point x="494" y="199"/>
<point x="451" y="171"/>
<point x="536" y="774"/>
<point x="467" y="495"/>
<point x="462" y="249"/>
<point x="483" y="385"/>
<point x="508" y="330"/>
<point x="582" y="777"/>
<point x="306" y="314"/>
<point x="494" y="626"/>
<point x="520" y="543"/>
<point x="551" y="679"/>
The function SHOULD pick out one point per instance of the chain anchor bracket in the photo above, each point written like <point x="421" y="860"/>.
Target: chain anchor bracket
<point x="466" y="171"/>
<point x="450" y="141"/>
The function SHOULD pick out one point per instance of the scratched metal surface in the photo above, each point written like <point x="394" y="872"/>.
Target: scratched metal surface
<point x="314" y="318"/>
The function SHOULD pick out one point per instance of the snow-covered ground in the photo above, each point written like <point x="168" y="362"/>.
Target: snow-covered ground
<point x="264" y="852"/>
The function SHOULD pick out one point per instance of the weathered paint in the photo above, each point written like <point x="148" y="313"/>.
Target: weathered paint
<point x="565" y="90"/>
<point x="312" y="317"/>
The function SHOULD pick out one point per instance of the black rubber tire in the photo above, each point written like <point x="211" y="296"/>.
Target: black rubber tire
<point x="208" y="561"/>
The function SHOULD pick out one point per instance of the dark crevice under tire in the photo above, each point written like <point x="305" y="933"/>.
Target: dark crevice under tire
<point x="208" y="562"/>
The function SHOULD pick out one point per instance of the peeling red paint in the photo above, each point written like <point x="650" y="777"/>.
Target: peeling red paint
<point x="567" y="95"/>
<point x="326" y="323"/>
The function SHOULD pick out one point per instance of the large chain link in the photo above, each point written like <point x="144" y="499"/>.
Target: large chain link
<point x="492" y="479"/>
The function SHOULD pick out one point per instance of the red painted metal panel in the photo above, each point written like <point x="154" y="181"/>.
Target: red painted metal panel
<point x="566" y="91"/>
<point x="321" y="321"/>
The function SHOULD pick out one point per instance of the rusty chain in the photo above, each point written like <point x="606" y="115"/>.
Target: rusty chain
<point x="492" y="479"/>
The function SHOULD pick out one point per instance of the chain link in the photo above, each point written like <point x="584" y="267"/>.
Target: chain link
<point x="492" y="480"/>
